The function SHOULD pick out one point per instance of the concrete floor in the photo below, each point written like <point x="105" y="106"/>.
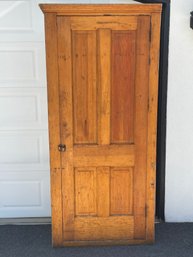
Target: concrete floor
<point x="172" y="240"/>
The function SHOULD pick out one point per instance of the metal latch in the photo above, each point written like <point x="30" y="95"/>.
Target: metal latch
<point x="61" y="148"/>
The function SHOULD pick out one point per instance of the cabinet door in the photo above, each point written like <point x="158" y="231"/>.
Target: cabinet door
<point x="103" y="82"/>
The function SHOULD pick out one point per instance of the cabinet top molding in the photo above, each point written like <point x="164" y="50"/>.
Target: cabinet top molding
<point x="101" y="9"/>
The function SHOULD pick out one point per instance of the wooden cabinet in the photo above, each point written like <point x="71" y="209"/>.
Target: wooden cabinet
<point x="102" y="70"/>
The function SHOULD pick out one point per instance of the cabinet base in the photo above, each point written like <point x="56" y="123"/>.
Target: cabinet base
<point x="105" y="243"/>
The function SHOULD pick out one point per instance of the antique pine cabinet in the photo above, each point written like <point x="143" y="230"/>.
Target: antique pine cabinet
<point x="102" y="72"/>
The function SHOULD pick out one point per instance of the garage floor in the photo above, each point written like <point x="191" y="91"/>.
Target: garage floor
<point x="172" y="240"/>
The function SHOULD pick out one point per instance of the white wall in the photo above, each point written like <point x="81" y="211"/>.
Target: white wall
<point x="24" y="154"/>
<point x="179" y="154"/>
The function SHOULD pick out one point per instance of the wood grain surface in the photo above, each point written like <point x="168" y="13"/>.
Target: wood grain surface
<point x="102" y="97"/>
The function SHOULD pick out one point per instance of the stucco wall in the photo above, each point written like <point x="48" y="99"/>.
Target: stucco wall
<point x="179" y="154"/>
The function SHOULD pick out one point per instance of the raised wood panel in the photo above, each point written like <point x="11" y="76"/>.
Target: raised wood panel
<point x="122" y="88"/>
<point x="121" y="191"/>
<point x="85" y="191"/>
<point x="84" y="86"/>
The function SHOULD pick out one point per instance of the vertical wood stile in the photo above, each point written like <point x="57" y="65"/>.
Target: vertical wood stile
<point x="104" y="85"/>
<point x="66" y="124"/>
<point x="54" y="126"/>
<point x="140" y="139"/>
<point x="152" y="125"/>
<point x="103" y="179"/>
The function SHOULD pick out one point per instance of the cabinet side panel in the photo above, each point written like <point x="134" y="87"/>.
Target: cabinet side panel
<point x="152" y="125"/>
<point x="54" y="128"/>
